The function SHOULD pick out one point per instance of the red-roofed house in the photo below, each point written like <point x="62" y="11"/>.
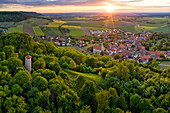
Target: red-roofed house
<point x="122" y="46"/>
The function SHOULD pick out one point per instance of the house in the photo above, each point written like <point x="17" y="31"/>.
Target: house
<point x="122" y="46"/>
<point x="110" y="46"/>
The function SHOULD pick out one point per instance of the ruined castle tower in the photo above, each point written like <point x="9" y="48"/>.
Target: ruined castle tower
<point x="28" y="63"/>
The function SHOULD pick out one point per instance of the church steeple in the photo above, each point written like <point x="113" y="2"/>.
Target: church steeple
<point x="102" y="47"/>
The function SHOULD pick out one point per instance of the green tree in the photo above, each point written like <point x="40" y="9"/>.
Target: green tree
<point x="88" y="95"/>
<point x="117" y="56"/>
<point x="39" y="64"/>
<point x="55" y="67"/>
<point x="135" y="103"/>
<point x="16" y="89"/>
<point x="9" y="50"/>
<point x="22" y="78"/>
<point x="123" y="72"/>
<point x="65" y="65"/>
<point x="160" y="110"/>
<point x="121" y="103"/>
<point x="131" y="68"/>
<point x="113" y="97"/>
<point x="118" y="110"/>
<point x="40" y="110"/>
<point x="102" y="100"/>
<point x="13" y="63"/>
<point x="15" y="104"/>
<point x="48" y="74"/>
<point x="85" y="109"/>
<point x="40" y="82"/>
<point x="161" y="55"/>
<point x="145" y="106"/>
<point x="2" y="56"/>
<point x="72" y="65"/>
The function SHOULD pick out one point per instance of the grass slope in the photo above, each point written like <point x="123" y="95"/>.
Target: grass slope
<point x="95" y="78"/>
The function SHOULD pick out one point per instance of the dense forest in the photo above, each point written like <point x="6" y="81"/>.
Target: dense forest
<point x="158" y="41"/>
<point x="12" y="17"/>
<point x="126" y="86"/>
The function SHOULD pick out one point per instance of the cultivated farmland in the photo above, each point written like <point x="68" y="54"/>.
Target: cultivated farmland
<point x="28" y="29"/>
<point x="19" y="28"/>
<point x="38" y="31"/>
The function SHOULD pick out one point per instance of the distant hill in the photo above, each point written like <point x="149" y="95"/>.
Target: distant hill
<point x="31" y="14"/>
<point x="17" y="16"/>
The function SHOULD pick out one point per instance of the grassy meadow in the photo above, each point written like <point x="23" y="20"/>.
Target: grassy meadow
<point x="92" y="77"/>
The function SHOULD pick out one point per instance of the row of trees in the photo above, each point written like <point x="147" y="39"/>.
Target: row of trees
<point x="126" y="85"/>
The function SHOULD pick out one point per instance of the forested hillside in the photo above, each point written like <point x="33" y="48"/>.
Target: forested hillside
<point x="158" y="41"/>
<point x="12" y="17"/>
<point x="67" y="81"/>
<point x="17" y="16"/>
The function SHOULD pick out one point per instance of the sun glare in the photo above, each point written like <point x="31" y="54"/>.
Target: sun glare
<point x="110" y="7"/>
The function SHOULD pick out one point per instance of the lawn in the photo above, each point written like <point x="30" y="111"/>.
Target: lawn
<point x="93" y="77"/>
<point x="19" y="28"/>
<point x="37" y="31"/>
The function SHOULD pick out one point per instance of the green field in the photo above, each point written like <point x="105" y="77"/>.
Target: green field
<point x="74" y="30"/>
<point x="148" y="27"/>
<point x="50" y="27"/>
<point x="19" y="28"/>
<point x="37" y="31"/>
<point x="92" y="77"/>
<point x="51" y="31"/>
<point x="35" y="22"/>
<point x="165" y="29"/>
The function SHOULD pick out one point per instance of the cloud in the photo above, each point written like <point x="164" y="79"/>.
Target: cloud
<point x="63" y="2"/>
<point x="47" y="2"/>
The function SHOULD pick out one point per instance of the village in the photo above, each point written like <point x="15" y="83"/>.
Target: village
<point x="114" y="42"/>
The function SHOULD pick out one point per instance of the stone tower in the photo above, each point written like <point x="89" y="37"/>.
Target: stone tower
<point x="28" y="63"/>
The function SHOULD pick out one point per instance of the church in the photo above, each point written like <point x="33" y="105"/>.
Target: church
<point x="98" y="49"/>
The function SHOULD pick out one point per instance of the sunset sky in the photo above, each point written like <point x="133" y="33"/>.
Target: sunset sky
<point x="68" y="6"/>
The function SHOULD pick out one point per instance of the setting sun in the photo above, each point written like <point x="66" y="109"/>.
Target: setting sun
<point x="110" y="7"/>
